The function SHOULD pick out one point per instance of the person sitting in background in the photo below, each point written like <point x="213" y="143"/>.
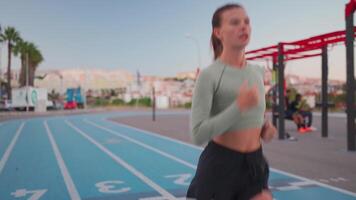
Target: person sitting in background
<point x="305" y="110"/>
<point x="292" y="113"/>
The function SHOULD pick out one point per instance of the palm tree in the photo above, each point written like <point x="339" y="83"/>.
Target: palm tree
<point x="35" y="57"/>
<point x="11" y="36"/>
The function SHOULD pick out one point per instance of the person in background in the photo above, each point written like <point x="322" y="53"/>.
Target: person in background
<point x="305" y="110"/>
<point x="296" y="115"/>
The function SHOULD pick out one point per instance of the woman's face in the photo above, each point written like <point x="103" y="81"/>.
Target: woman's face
<point x="234" y="31"/>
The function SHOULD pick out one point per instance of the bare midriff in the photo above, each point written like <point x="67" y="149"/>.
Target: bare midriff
<point x="247" y="140"/>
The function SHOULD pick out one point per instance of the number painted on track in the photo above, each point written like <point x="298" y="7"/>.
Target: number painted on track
<point x="36" y="194"/>
<point x="182" y="179"/>
<point x="109" y="187"/>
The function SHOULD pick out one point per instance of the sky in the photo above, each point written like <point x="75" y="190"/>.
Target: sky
<point x="151" y="35"/>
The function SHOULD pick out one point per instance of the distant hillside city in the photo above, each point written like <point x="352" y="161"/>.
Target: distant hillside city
<point x="170" y="91"/>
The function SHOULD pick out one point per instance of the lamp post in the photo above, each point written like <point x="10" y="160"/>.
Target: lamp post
<point x="189" y="36"/>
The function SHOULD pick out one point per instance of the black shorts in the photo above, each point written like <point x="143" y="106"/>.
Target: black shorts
<point x="289" y="114"/>
<point x="225" y="174"/>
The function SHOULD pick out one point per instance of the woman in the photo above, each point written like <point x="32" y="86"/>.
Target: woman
<point x="228" y="112"/>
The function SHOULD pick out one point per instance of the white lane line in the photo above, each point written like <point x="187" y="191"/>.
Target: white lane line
<point x="143" y="145"/>
<point x="121" y="162"/>
<point x="201" y="148"/>
<point x="72" y="190"/>
<point x="155" y="135"/>
<point x="8" y="151"/>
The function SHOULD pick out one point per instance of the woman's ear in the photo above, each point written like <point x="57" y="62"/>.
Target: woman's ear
<point x="217" y="33"/>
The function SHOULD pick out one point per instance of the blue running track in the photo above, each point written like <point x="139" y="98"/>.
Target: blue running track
<point x="91" y="158"/>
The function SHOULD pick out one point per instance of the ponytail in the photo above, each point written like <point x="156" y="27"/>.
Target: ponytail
<point x="216" y="22"/>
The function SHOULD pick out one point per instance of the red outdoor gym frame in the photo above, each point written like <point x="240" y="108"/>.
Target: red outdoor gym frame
<point x="311" y="47"/>
<point x="294" y="50"/>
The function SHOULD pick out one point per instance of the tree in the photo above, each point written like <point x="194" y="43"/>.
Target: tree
<point x="35" y="57"/>
<point x="11" y="36"/>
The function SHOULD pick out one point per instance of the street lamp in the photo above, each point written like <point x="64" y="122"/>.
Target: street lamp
<point x="189" y="36"/>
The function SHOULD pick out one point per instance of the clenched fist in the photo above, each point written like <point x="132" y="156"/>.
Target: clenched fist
<point x="248" y="97"/>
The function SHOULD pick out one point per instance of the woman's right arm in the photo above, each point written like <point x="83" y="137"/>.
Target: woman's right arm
<point x="203" y="126"/>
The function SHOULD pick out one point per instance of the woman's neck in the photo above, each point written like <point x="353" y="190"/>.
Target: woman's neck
<point x="234" y="58"/>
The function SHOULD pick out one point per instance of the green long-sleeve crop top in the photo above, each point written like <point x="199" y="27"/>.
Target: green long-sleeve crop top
<point x="214" y="109"/>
